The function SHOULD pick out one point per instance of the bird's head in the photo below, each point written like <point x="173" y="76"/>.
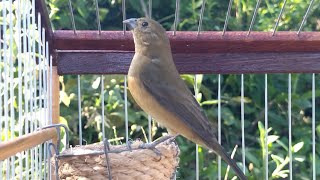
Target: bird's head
<point x="147" y="32"/>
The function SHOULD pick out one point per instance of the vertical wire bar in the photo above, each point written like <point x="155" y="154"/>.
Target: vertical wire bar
<point x="18" y="14"/>
<point x="50" y="95"/>
<point x="279" y="17"/>
<point x="227" y="18"/>
<point x="149" y="117"/>
<point x="150" y="9"/>
<point x="197" y="146"/>
<point x="102" y="108"/>
<point x="72" y="18"/>
<point x="79" y="110"/>
<point x="125" y="78"/>
<point x="46" y="95"/>
<point x="305" y="17"/>
<point x="41" y="154"/>
<point x="254" y="17"/>
<point x="149" y="128"/>
<point x="78" y="78"/>
<point x="34" y="93"/>
<point x="98" y="16"/>
<point x="44" y="117"/>
<point x="144" y="8"/>
<point x="176" y="17"/>
<point x="201" y="16"/>
<point x="124" y="15"/>
<point x="1" y="116"/>
<point x="313" y="127"/>
<point x="6" y="126"/>
<point x="266" y="122"/>
<point x="219" y="124"/>
<point x="242" y="126"/>
<point x="28" y="74"/>
<point x="25" y="85"/>
<point x="290" y="120"/>
<point x="31" y="89"/>
<point x="12" y="113"/>
<point x="126" y="108"/>
<point x="4" y="30"/>
<point x="46" y="79"/>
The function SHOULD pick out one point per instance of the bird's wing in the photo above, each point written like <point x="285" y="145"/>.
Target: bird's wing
<point x="172" y="93"/>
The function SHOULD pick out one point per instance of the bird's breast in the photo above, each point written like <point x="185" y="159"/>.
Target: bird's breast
<point x="145" y="100"/>
<point x="162" y="115"/>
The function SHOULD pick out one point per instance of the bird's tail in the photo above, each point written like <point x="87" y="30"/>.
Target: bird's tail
<point x="220" y="151"/>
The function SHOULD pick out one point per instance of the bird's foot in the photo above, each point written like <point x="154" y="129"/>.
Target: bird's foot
<point x="173" y="138"/>
<point x="128" y="144"/>
<point x="152" y="145"/>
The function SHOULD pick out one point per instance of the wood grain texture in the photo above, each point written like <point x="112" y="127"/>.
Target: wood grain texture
<point x="87" y="52"/>
<point x="111" y="62"/>
<point x="55" y="99"/>
<point x="22" y="143"/>
<point x="41" y="8"/>
<point x="189" y="42"/>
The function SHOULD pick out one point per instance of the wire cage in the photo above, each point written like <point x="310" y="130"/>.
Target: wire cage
<point x="35" y="60"/>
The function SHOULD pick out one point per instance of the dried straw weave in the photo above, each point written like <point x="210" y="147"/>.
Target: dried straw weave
<point x="137" y="164"/>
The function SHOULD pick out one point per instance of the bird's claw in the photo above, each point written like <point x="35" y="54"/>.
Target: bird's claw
<point x="173" y="138"/>
<point x="151" y="146"/>
<point x="128" y="144"/>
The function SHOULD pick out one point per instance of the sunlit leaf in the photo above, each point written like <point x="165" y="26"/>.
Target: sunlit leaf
<point x="210" y="102"/>
<point x="272" y="138"/>
<point x="238" y="99"/>
<point x="96" y="83"/>
<point x="64" y="98"/>
<point x="297" y="146"/>
<point x="299" y="159"/>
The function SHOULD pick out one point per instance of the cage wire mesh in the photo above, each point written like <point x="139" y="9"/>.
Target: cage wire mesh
<point x="25" y="104"/>
<point x="99" y="106"/>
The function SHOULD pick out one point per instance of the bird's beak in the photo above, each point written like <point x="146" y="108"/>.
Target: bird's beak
<point x="131" y="23"/>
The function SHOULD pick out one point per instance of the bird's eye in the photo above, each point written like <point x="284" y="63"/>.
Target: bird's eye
<point x="144" y="24"/>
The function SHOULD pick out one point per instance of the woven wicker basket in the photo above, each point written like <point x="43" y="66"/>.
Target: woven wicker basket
<point x="89" y="162"/>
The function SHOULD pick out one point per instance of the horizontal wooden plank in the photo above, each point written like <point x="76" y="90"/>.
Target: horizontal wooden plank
<point x="189" y="42"/>
<point x="25" y="142"/>
<point x="118" y="62"/>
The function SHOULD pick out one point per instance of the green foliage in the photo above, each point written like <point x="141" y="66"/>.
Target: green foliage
<point x="214" y="17"/>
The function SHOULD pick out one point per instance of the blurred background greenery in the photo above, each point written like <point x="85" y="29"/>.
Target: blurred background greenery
<point x="213" y="20"/>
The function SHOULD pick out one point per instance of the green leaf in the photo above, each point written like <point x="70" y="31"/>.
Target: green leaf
<point x="96" y="83"/>
<point x="64" y="98"/>
<point x="297" y="147"/>
<point x="272" y="138"/>
<point x="210" y="102"/>
<point x="277" y="158"/>
<point x="237" y="99"/>
<point x="299" y="159"/>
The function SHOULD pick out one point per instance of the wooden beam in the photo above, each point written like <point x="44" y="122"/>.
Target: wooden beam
<point x="55" y="99"/>
<point x="112" y="62"/>
<point x="25" y="142"/>
<point x="87" y="52"/>
<point x="41" y="7"/>
<point x="189" y="42"/>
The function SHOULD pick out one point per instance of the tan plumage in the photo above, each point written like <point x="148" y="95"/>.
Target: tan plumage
<point x="155" y="84"/>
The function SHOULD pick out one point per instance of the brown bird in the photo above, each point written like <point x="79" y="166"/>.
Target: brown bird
<point x="158" y="89"/>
